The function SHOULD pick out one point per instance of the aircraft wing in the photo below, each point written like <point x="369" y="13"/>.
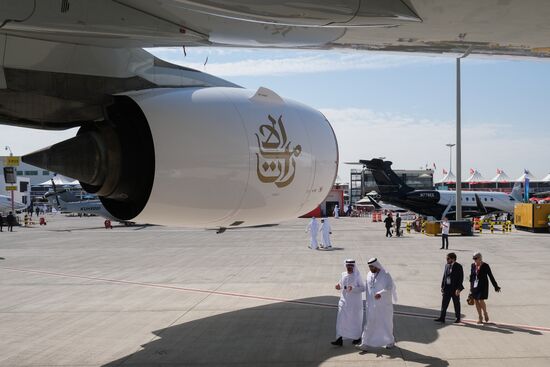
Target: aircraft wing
<point x="509" y="28"/>
<point x="6" y="204"/>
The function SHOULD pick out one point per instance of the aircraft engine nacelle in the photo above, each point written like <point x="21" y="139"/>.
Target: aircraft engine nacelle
<point x="202" y="157"/>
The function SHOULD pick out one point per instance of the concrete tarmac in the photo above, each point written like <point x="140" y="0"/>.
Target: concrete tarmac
<point x="76" y="294"/>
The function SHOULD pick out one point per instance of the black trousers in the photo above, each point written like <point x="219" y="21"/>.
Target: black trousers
<point x="447" y="295"/>
<point x="445" y="241"/>
<point x="388" y="232"/>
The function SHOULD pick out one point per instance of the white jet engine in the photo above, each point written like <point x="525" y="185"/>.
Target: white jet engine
<point x="202" y="157"/>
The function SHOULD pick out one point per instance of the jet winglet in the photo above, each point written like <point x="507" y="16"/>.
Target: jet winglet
<point x="374" y="203"/>
<point x="480" y="206"/>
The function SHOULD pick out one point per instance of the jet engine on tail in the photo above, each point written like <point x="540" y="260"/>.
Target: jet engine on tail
<point x="201" y="157"/>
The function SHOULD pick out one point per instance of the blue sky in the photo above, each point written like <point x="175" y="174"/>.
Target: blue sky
<point x="398" y="106"/>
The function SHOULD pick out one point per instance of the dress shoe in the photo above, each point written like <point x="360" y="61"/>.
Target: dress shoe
<point x="439" y="319"/>
<point x="337" y="342"/>
<point x="356" y="341"/>
<point x="457" y="321"/>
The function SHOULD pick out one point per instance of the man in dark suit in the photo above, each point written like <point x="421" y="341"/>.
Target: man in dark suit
<point x="451" y="286"/>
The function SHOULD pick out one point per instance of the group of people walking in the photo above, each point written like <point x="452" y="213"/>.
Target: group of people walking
<point x="326" y="231"/>
<point x="452" y="286"/>
<point x="389" y="223"/>
<point x="378" y="317"/>
<point x="9" y="221"/>
<point x="374" y="326"/>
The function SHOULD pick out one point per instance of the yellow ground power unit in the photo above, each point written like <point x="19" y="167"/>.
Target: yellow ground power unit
<point x="461" y="227"/>
<point x="531" y="217"/>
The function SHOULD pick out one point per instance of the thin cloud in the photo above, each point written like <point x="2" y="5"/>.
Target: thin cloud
<point x="262" y="63"/>
<point x="413" y="143"/>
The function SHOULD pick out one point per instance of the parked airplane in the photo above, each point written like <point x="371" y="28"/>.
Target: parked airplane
<point x="6" y="207"/>
<point x="68" y="203"/>
<point x="167" y="144"/>
<point x="437" y="203"/>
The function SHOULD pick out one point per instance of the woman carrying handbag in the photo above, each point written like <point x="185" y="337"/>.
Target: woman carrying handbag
<point x="479" y="285"/>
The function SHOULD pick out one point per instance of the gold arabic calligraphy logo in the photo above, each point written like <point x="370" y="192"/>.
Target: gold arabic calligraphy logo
<point x="275" y="162"/>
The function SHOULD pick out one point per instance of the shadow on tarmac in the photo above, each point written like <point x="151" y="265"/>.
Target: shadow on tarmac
<point x="285" y="333"/>
<point x="503" y="329"/>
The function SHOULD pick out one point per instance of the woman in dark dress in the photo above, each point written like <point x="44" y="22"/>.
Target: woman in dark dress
<point x="479" y="285"/>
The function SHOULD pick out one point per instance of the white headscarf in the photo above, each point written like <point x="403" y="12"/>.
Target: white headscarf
<point x="374" y="262"/>
<point x="355" y="269"/>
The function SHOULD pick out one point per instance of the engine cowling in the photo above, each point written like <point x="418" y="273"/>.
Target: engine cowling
<point x="203" y="157"/>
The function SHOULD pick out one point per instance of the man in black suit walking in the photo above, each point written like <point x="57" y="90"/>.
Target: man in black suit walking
<point x="451" y="286"/>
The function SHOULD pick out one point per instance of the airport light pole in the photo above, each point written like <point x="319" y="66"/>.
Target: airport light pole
<point x="12" y="194"/>
<point x="458" y="203"/>
<point x="450" y="156"/>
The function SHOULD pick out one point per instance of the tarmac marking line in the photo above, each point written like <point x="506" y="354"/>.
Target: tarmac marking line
<point x="248" y="296"/>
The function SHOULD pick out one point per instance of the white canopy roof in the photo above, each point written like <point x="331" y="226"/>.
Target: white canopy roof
<point x="475" y="176"/>
<point x="364" y="201"/>
<point x="448" y="178"/>
<point x="546" y="178"/>
<point x="501" y="177"/>
<point x="61" y="181"/>
<point x="527" y="174"/>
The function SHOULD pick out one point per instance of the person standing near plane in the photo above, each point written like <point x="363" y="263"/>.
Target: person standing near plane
<point x="451" y="286"/>
<point x="397" y="225"/>
<point x="445" y="225"/>
<point x="326" y="231"/>
<point x="389" y="222"/>
<point x="336" y="212"/>
<point x="479" y="285"/>
<point x="381" y="294"/>
<point x="313" y="229"/>
<point x="11" y="221"/>
<point x="349" y="321"/>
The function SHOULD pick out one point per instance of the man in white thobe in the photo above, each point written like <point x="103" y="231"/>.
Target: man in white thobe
<point x="381" y="294"/>
<point x="313" y="229"/>
<point x="336" y="212"/>
<point x="349" y="322"/>
<point x="326" y="231"/>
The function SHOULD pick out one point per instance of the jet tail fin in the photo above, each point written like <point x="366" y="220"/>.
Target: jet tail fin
<point x="386" y="179"/>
